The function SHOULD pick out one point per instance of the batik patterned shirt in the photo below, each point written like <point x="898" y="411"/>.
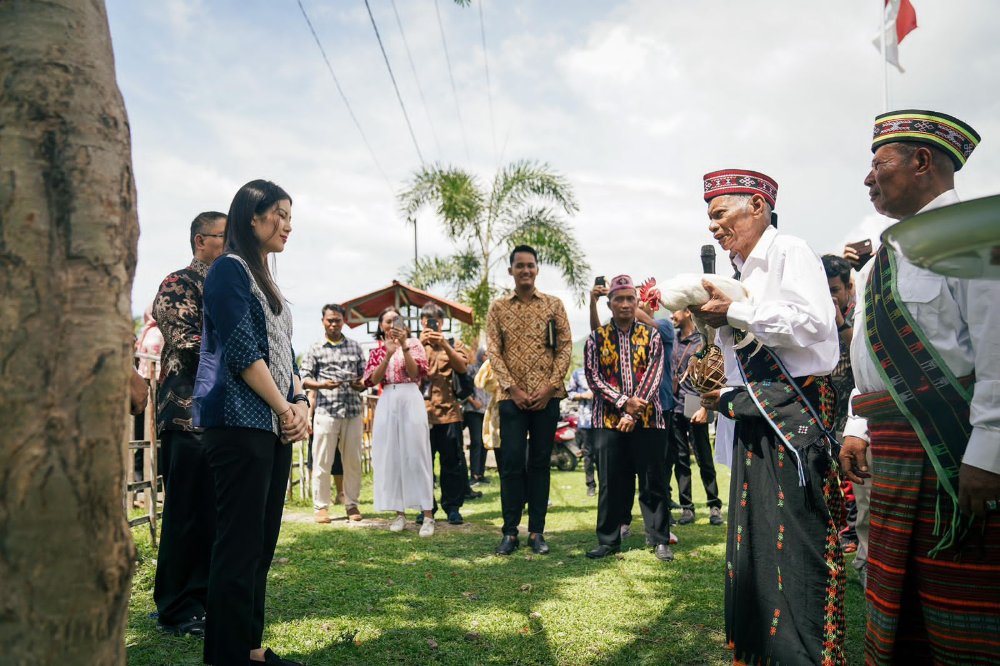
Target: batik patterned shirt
<point x="519" y="353"/>
<point x="240" y="329"/>
<point x="396" y="372"/>
<point x="624" y="364"/>
<point x="177" y="312"/>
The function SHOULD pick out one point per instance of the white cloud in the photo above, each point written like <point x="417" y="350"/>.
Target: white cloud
<point x="633" y="101"/>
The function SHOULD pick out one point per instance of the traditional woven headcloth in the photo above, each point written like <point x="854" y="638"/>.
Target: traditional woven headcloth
<point x="740" y="181"/>
<point x="940" y="130"/>
<point x="618" y="283"/>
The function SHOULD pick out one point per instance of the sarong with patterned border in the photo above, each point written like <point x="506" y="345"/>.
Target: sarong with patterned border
<point x="923" y="610"/>
<point x="785" y="566"/>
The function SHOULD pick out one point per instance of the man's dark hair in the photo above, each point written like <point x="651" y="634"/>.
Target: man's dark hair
<point x="336" y="307"/>
<point x="523" y="248"/>
<point x="432" y="309"/>
<point x="837" y="267"/>
<point x="204" y="222"/>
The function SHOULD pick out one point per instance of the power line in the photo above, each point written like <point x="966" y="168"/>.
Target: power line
<point x="420" y="88"/>
<point x="344" y="97"/>
<point x="395" y="87"/>
<point x="489" y="92"/>
<point x="458" y="109"/>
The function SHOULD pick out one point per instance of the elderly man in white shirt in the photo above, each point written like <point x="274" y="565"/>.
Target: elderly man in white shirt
<point x="926" y="359"/>
<point x="785" y="566"/>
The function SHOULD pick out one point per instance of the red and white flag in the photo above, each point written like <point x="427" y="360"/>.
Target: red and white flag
<point x="900" y="20"/>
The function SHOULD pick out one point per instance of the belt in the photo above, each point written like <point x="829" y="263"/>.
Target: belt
<point x="880" y="407"/>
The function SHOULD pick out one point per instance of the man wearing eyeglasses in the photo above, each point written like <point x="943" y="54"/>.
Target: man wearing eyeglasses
<point x="188" y="527"/>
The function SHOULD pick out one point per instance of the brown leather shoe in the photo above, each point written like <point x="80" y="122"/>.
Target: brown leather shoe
<point x="321" y="516"/>
<point x="353" y="513"/>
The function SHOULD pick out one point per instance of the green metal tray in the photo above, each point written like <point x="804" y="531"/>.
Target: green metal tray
<point x="961" y="240"/>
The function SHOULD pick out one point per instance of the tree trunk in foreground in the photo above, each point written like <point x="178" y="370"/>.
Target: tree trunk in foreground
<point x="68" y="232"/>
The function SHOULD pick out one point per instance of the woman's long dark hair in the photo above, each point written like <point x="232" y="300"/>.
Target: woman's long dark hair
<point x="254" y="198"/>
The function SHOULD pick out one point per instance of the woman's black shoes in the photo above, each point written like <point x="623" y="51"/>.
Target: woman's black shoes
<point x="271" y="659"/>
<point x="195" y="627"/>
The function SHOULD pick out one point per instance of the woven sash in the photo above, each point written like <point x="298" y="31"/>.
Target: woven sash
<point x="782" y="403"/>
<point x="924" y="389"/>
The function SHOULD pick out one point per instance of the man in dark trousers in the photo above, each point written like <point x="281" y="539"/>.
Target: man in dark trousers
<point x="689" y="434"/>
<point x="530" y="347"/>
<point x="624" y="363"/>
<point x="188" y="527"/>
<point x="445" y="356"/>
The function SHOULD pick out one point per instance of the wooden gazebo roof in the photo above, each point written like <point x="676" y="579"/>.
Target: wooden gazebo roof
<point x="367" y="308"/>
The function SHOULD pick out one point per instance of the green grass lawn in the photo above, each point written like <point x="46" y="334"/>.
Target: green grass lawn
<point x="359" y="594"/>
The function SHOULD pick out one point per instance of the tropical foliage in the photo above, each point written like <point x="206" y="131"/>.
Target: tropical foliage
<point x="528" y="203"/>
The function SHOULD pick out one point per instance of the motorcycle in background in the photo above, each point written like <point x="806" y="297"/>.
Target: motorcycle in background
<point x="565" y="453"/>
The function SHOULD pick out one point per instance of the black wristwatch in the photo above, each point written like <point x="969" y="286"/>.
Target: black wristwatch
<point x="301" y="397"/>
<point x="844" y="326"/>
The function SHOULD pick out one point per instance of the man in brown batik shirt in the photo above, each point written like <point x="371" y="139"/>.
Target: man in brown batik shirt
<point x="445" y="357"/>
<point x="530" y="347"/>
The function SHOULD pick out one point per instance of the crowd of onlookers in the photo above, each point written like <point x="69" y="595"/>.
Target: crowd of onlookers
<point x="426" y="399"/>
<point x="231" y="396"/>
<point x="904" y="360"/>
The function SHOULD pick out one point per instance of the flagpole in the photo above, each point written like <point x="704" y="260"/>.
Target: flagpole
<point x="885" y="62"/>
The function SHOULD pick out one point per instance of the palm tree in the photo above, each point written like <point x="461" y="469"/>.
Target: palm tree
<point x="527" y="204"/>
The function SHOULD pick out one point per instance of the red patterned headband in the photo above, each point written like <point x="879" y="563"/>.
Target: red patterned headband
<point x="740" y="181"/>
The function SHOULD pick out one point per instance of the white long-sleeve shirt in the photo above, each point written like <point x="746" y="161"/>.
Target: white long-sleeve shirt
<point x="961" y="319"/>
<point x="790" y="311"/>
<point x="790" y="308"/>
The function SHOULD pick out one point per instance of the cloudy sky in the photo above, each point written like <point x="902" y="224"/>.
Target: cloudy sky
<point x="631" y="101"/>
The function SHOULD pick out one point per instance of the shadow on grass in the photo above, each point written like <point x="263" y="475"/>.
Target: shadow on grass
<point x="419" y="590"/>
<point x="364" y="595"/>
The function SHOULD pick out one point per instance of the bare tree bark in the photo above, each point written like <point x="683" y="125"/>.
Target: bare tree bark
<point x="68" y="232"/>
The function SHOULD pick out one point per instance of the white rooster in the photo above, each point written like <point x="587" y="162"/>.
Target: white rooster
<point x="686" y="289"/>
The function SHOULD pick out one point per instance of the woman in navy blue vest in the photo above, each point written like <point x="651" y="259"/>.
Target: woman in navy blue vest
<point x="249" y="399"/>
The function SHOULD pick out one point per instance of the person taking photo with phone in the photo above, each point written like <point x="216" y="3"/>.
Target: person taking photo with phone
<point x="445" y="357"/>
<point x="401" y="445"/>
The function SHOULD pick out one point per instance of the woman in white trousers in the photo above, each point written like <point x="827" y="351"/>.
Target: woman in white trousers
<point x="401" y="449"/>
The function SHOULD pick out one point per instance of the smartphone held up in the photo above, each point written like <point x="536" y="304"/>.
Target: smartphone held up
<point x="863" y="250"/>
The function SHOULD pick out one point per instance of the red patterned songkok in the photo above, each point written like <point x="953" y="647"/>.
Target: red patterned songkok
<point x="618" y="283"/>
<point x="740" y="181"/>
